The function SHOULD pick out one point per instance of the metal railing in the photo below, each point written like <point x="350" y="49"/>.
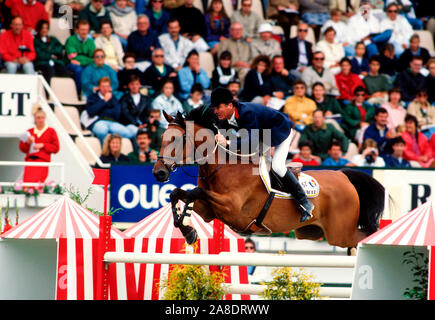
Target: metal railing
<point x="33" y="164"/>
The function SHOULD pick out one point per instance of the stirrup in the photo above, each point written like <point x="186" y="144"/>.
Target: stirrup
<point x="306" y="214"/>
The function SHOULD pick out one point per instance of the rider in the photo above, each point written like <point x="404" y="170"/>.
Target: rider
<point x="254" y="116"/>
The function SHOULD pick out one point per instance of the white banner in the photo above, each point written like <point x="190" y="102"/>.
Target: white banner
<point x="408" y="189"/>
<point x="18" y="95"/>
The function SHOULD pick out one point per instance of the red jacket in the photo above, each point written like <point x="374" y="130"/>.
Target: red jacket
<point x="51" y="145"/>
<point x="9" y="44"/>
<point x="423" y="146"/>
<point x="347" y="85"/>
<point x="312" y="162"/>
<point x="30" y="13"/>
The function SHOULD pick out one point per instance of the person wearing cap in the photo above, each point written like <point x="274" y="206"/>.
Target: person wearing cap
<point x="249" y="116"/>
<point x="265" y="44"/>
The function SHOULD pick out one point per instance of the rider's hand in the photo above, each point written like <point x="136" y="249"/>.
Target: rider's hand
<point x="221" y="139"/>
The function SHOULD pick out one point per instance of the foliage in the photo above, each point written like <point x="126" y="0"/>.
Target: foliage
<point x="48" y="187"/>
<point x="76" y="196"/>
<point x="419" y="268"/>
<point x="289" y="284"/>
<point x="193" y="282"/>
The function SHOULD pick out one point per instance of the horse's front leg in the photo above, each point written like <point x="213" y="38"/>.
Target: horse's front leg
<point x="182" y="221"/>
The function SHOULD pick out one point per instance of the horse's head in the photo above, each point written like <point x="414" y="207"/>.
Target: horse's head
<point x="172" y="148"/>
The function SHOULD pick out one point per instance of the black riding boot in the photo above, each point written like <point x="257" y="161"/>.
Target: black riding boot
<point x="291" y="185"/>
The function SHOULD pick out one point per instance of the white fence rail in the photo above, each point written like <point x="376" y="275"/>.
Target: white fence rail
<point x="33" y="164"/>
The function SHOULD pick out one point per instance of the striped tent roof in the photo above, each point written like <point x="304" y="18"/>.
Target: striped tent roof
<point x="64" y="218"/>
<point x="160" y="224"/>
<point x="416" y="228"/>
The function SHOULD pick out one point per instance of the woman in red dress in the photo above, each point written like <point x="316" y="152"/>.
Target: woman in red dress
<point x="40" y="143"/>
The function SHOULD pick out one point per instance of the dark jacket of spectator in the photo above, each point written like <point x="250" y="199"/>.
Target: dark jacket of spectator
<point x="409" y="83"/>
<point x="124" y="77"/>
<point x="135" y="114"/>
<point x="141" y="45"/>
<point x="96" y="106"/>
<point x="222" y="29"/>
<point x="430" y="87"/>
<point x="374" y="133"/>
<point x="153" y="77"/>
<point x="359" y="67"/>
<point x="278" y="82"/>
<point x="94" y="18"/>
<point x="252" y="87"/>
<point x="406" y="57"/>
<point x="191" y="20"/>
<point x="159" y="25"/>
<point x="291" y="53"/>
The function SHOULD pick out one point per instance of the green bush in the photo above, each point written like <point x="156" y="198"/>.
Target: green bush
<point x="419" y="268"/>
<point x="193" y="282"/>
<point x="289" y="284"/>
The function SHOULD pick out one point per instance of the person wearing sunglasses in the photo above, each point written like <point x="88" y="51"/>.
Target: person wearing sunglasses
<point x="297" y="51"/>
<point x="95" y="13"/>
<point x="250" y="248"/>
<point x="400" y="27"/>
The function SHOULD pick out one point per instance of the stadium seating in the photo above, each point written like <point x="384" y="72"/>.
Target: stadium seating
<point x="75" y="117"/>
<point x="94" y="143"/>
<point x="65" y="91"/>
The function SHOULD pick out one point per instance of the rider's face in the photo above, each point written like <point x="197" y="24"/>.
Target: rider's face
<point x="224" y="111"/>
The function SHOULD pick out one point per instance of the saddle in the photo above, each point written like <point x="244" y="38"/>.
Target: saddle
<point x="308" y="183"/>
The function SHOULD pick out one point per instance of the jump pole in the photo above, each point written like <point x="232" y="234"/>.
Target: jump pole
<point x="102" y="177"/>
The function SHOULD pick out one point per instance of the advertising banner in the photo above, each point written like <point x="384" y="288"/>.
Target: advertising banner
<point x="135" y="191"/>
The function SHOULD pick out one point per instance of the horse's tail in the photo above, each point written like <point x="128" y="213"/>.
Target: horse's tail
<point x="371" y="196"/>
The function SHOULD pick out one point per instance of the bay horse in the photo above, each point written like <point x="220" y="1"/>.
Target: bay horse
<point x="347" y="208"/>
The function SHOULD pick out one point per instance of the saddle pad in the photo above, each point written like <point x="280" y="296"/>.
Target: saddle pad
<point x="308" y="183"/>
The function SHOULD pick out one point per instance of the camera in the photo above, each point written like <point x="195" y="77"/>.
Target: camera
<point x="370" y="157"/>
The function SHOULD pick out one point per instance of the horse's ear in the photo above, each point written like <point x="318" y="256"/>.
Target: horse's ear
<point x="167" y="117"/>
<point x="179" y="117"/>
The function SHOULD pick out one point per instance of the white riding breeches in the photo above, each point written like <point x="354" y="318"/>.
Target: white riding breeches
<point x="280" y="155"/>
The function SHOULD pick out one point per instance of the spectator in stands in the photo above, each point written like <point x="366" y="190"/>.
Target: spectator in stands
<point x="341" y="29"/>
<point x="195" y="100"/>
<point x="95" y="13"/>
<point x="158" y="72"/>
<point x="111" y="46"/>
<point x="395" y="109"/>
<point x="49" y="53"/>
<point x="234" y="87"/>
<point x="328" y="104"/>
<point x="142" y="42"/>
<point x="335" y="158"/>
<point x="369" y="157"/>
<point x="155" y="129"/>
<point x="104" y="111"/>
<point x="135" y="107"/>
<point x="143" y="153"/>
<point x="79" y="49"/>
<point x="395" y="159"/>
<point x="414" y="49"/>
<point x="406" y="10"/>
<point x="75" y="5"/>
<point x="111" y="150"/>
<point x="39" y="143"/>
<point x="265" y="44"/>
<point x="389" y="63"/>
<point x="224" y="72"/>
<point x="400" y="27"/>
<point x="430" y="80"/>
<point x="250" y="20"/>
<point x="315" y="13"/>
<point x="95" y="71"/>
<point x="297" y="51"/>
<point x="378" y="130"/>
<point x="167" y="102"/>
<point x="377" y="84"/>
<point x="254" y="89"/>
<point x="332" y="50"/>
<point x="298" y="107"/>
<point x="279" y="84"/>
<point x="192" y="21"/>
<point x="321" y="134"/>
<point x="285" y="12"/>
<point x="17" y="48"/>
<point x="217" y="23"/>
<point x="349" y="8"/>
<point x="158" y="16"/>
<point x="424" y="112"/>
<point x="171" y="4"/>
<point x="347" y="81"/>
<point x="317" y="73"/>
<point x="124" y="20"/>
<point x="357" y="115"/>
<point x="305" y="155"/>
<point x="129" y="69"/>
<point x="417" y="147"/>
<point x="360" y="64"/>
<point x="30" y="11"/>
<point x="240" y="49"/>
<point x="190" y="74"/>
<point x="250" y="248"/>
<point x="411" y="80"/>
<point x="175" y="46"/>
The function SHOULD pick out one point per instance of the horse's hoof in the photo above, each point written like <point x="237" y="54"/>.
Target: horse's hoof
<point x="351" y="251"/>
<point x="191" y="237"/>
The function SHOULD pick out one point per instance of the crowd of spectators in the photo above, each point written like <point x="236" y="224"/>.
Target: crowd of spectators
<point x="360" y="90"/>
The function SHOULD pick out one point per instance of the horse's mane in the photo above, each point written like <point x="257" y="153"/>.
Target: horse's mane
<point x="205" y="117"/>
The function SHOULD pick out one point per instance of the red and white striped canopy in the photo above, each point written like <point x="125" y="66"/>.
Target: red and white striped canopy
<point x="64" y="218"/>
<point x="156" y="233"/>
<point x="416" y="228"/>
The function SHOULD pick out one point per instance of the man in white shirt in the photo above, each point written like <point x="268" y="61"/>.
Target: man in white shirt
<point x="175" y="46"/>
<point x="266" y="45"/>
<point x="400" y="28"/>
